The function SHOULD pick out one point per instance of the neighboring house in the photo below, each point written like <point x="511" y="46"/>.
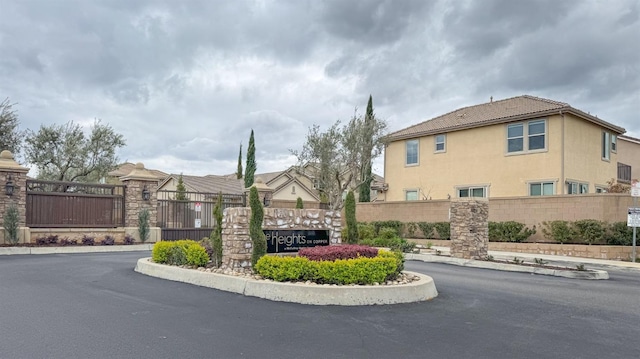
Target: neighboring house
<point x="287" y="185"/>
<point x="521" y="146"/>
<point x="209" y="184"/>
<point x="126" y="168"/>
<point x="628" y="158"/>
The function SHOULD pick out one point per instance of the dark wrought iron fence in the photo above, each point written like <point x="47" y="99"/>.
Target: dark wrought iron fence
<point x="191" y="217"/>
<point x="56" y="204"/>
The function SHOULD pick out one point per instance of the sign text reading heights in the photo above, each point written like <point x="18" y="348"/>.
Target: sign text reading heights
<point x="279" y="241"/>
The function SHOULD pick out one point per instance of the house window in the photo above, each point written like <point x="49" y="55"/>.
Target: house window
<point x="440" y="143"/>
<point x="528" y="136"/>
<point x="411" y="195"/>
<point x="601" y="189"/>
<point x="412" y="152"/>
<point x="317" y="184"/>
<point x="515" y="140"/>
<point x="472" y="192"/>
<point x="541" y="189"/>
<point x="536" y="135"/>
<point x="606" y="146"/>
<point x="577" y="188"/>
<point x="614" y="143"/>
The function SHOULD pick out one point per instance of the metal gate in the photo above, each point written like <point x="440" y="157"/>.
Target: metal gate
<point x="189" y="215"/>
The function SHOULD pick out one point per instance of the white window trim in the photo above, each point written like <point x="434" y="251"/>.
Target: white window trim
<point x="444" y="143"/>
<point x="406" y="146"/>
<point x="470" y="187"/>
<point x="417" y="191"/>
<point x="601" y="187"/>
<point x="606" y="146"/>
<point x="542" y="181"/>
<point x="525" y="137"/>
<point x="614" y="143"/>
<point x="578" y="184"/>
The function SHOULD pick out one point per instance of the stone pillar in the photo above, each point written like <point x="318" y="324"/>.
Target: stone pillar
<point x="10" y="170"/>
<point x="264" y="191"/>
<point x="135" y="183"/>
<point x="236" y="243"/>
<point x="469" y="228"/>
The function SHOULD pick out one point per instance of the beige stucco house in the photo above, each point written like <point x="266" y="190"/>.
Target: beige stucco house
<point x="521" y="146"/>
<point x="628" y="158"/>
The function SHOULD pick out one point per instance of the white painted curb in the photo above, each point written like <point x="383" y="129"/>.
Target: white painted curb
<point x="421" y="290"/>
<point x="573" y="274"/>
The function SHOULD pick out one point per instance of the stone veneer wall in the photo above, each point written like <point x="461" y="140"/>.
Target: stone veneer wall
<point x="236" y="243"/>
<point x="469" y="228"/>
<point x="134" y="202"/>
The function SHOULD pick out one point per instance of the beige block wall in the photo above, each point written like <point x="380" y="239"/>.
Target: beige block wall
<point x="531" y="211"/>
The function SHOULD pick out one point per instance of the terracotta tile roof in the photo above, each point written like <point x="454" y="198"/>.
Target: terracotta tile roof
<point x="502" y="111"/>
<point x="212" y="184"/>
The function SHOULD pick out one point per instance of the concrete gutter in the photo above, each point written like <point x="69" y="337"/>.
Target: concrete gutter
<point x="312" y="294"/>
<point x="76" y="249"/>
<point x="573" y="274"/>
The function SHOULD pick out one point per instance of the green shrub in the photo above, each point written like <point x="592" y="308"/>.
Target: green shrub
<point x="387" y="233"/>
<point x="283" y="269"/>
<point x="196" y="255"/>
<point x="177" y="256"/>
<point x="559" y="231"/>
<point x="299" y="203"/>
<point x="443" y="229"/>
<point x="427" y="229"/>
<point x="589" y="230"/>
<point x="160" y="251"/>
<point x="397" y="225"/>
<point x="509" y="231"/>
<point x="341" y="271"/>
<point x="366" y="232"/>
<point x="410" y="229"/>
<point x="182" y="252"/>
<point x="350" y="218"/>
<point x="11" y="222"/>
<point x="619" y="234"/>
<point x="344" y="232"/>
<point x="143" y="224"/>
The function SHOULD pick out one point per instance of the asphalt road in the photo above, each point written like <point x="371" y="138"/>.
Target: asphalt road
<point x="96" y="306"/>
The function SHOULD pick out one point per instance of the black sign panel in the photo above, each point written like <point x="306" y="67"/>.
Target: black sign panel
<point x="282" y="241"/>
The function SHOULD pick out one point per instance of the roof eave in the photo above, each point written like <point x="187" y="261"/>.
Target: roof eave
<point x="527" y="116"/>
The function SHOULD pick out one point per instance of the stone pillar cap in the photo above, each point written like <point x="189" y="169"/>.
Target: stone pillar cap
<point x="7" y="163"/>
<point x="140" y="173"/>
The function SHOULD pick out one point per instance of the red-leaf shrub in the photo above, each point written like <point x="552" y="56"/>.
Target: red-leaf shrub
<point x="331" y="253"/>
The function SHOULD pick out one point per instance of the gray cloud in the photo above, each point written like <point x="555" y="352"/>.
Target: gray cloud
<point x="186" y="81"/>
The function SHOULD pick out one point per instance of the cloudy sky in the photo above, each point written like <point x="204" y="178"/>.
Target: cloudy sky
<point x="186" y="81"/>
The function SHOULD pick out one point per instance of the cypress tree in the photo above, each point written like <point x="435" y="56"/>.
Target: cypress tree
<point x="258" y="239"/>
<point x="239" y="170"/>
<point x="365" y="186"/>
<point x="350" y="216"/>
<point x="250" y="168"/>
<point x="216" y="234"/>
<point x="181" y="190"/>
